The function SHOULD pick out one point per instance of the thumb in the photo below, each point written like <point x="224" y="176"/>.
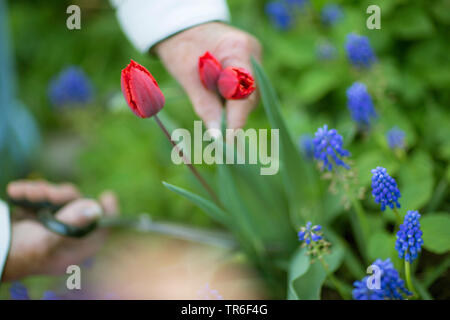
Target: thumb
<point x="80" y="212"/>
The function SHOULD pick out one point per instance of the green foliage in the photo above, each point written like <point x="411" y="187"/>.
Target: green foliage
<point x="436" y="236"/>
<point x="103" y="146"/>
<point x="306" y="277"/>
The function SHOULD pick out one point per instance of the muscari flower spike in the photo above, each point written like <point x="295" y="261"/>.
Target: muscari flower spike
<point x="328" y="148"/>
<point x="409" y="237"/>
<point x="70" y="87"/>
<point x="18" y="291"/>
<point x="299" y="4"/>
<point x="310" y="233"/>
<point x="384" y="189"/>
<point x="360" y="104"/>
<point x="392" y="287"/>
<point x="359" y="51"/>
<point x="313" y="240"/>
<point x="279" y="14"/>
<point x="326" y="51"/>
<point x="331" y="14"/>
<point x="396" y="138"/>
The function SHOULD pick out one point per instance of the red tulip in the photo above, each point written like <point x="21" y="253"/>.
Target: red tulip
<point x="141" y="91"/>
<point x="209" y="69"/>
<point x="235" y="83"/>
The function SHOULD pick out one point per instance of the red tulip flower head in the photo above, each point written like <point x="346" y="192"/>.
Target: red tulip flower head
<point x="209" y="69"/>
<point x="235" y="83"/>
<point x="141" y="91"/>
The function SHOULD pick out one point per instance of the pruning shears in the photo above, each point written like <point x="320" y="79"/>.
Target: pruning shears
<point x="45" y="211"/>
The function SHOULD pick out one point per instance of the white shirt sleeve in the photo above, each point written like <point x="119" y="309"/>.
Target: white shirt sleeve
<point x="5" y="234"/>
<point x="147" y="22"/>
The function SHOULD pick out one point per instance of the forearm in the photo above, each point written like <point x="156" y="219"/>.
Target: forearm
<point x="148" y="22"/>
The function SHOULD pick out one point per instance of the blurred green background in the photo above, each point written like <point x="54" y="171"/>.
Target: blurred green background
<point x="102" y="145"/>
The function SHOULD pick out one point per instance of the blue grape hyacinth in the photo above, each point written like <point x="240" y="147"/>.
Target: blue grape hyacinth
<point x="409" y="237"/>
<point x="360" y="104"/>
<point x="299" y="4"/>
<point x="326" y="51"/>
<point x="385" y="189"/>
<point x="309" y="233"/>
<point x="18" y="291"/>
<point x="70" y="87"/>
<point x="331" y="14"/>
<point x="392" y="287"/>
<point x="359" y="51"/>
<point x="328" y="148"/>
<point x="307" y="145"/>
<point x="279" y="14"/>
<point x="396" y="138"/>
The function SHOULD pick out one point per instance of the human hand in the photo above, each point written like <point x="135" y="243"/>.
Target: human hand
<point x="232" y="47"/>
<point x="36" y="250"/>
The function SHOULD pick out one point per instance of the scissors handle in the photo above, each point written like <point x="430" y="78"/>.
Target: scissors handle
<point x="45" y="212"/>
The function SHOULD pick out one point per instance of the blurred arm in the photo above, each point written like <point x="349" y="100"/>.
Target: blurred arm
<point x="5" y="235"/>
<point x="147" y="22"/>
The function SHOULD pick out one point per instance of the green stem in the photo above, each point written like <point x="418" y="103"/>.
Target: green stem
<point x="187" y="162"/>
<point x="398" y="217"/>
<point x="360" y="213"/>
<point x="335" y="282"/>
<point x="361" y="217"/>
<point x="409" y="280"/>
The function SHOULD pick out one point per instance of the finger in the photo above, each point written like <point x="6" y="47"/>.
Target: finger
<point x="80" y="212"/>
<point x="27" y="190"/>
<point x="206" y="104"/>
<point x="239" y="110"/>
<point x="110" y="204"/>
<point x="16" y="189"/>
<point x="62" y="193"/>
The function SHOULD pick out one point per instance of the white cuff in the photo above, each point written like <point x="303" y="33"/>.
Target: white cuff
<point x="146" y="22"/>
<point x="5" y="234"/>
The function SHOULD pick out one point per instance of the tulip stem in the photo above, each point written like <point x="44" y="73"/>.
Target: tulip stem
<point x="188" y="163"/>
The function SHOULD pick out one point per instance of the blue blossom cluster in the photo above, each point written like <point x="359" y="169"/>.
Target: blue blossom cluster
<point x="281" y="12"/>
<point x="70" y="87"/>
<point x="331" y="14"/>
<point x="360" y="104"/>
<point x="328" y="148"/>
<point x="359" y="51"/>
<point x="310" y="233"/>
<point x="392" y="287"/>
<point x="326" y="51"/>
<point x="300" y="4"/>
<point x="18" y="291"/>
<point x="409" y="237"/>
<point x="307" y="145"/>
<point x="396" y="138"/>
<point x="385" y="189"/>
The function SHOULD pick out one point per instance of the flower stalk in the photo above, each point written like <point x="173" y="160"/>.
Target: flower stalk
<point x="186" y="161"/>
<point x="409" y="280"/>
<point x="335" y="281"/>
<point x="397" y="216"/>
